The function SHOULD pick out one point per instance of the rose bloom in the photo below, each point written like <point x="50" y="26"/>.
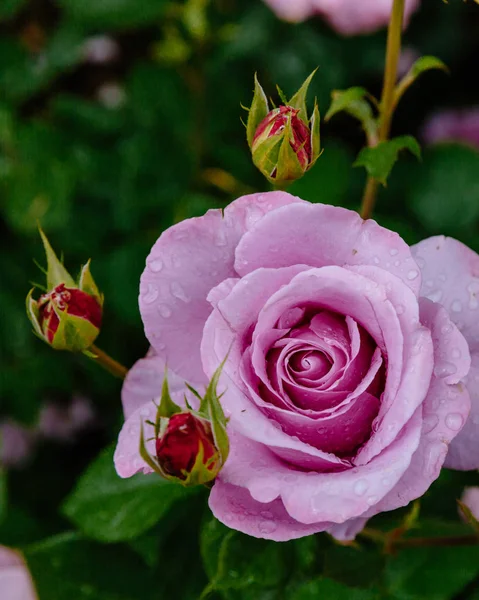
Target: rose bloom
<point x="459" y="125"/>
<point x="15" y="580"/>
<point x="347" y="17"/>
<point x="344" y="384"/>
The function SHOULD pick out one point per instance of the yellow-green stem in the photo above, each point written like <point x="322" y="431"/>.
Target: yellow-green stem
<point x="108" y="363"/>
<point x="393" y="52"/>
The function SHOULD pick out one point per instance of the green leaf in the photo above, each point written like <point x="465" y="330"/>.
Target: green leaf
<point x="66" y="566"/>
<point x="380" y="159"/>
<point x="435" y="573"/>
<point x="299" y="99"/>
<point x="330" y="590"/>
<point x="353" y="101"/>
<point x="109" y="509"/>
<point x="257" y="112"/>
<point x="423" y="64"/>
<point x="9" y="8"/>
<point x="444" y="195"/>
<point x="234" y="561"/>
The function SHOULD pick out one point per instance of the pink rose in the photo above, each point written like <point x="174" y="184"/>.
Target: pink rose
<point x="343" y="383"/>
<point x="453" y="126"/>
<point x="347" y="17"/>
<point x="15" y="580"/>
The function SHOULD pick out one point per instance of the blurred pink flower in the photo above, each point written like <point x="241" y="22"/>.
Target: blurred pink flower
<point x="16" y="444"/>
<point x="470" y="498"/>
<point x="15" y="580"/>
<point x="100" y="49"/>
<point x="62" y="423"/>
<point x="347" y="17"/>
<point x="460" y="125"/>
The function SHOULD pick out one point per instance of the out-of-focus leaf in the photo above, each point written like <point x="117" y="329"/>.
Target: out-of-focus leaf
<point x="423" y="64"/>
<point x="9" y="8"/>
<point x="110" y="509"/>
<point x="380" y="159"/>
<point x="329" y="589"/>
<point x="445" y="193"/>
<point x="114" y="14"/>
<point x="66" y="566"/>
<point x="354" y="102"/>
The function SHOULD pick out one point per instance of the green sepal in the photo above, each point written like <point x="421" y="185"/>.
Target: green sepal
<point x="469" y="517"/>
<point x="33" y="314"/>
<point x="299" y="99"/>
<point x="315" y="134"/>
<point x="167" y="408"/>
<point x="379" y="160"/>
<point x="56" y="272"/>
<point x="200" y="474"/>
<point x="265" y="156"/>
<point x="147" y="458"/>
<point x="211" y="408"/>
<point x="74" y="334"/>
<point x="289" y="168"/>
<point x="257" y="112"/>
<point x="87" y="284"/>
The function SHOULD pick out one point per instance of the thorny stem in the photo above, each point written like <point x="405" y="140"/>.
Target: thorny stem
<point x="108" y="363"/>
<point x="387" y="104"/>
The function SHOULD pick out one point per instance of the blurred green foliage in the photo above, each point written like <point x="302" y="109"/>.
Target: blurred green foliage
<point x="108" y="154"/>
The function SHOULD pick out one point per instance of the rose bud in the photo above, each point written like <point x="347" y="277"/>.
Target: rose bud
<point x="186" y="439"/>
<point x="68" y="315"/>
<point x="191" y="446"/>
<point x="284" y="145"/>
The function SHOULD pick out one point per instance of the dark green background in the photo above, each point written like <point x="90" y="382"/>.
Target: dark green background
<point x="104" y="182"/>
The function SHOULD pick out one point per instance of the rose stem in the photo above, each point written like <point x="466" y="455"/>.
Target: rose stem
<point x="391" y="545"/>
<point x="386" y="110"/>
<point x="108" y="363"/>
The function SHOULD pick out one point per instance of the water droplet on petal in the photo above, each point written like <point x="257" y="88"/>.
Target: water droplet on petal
<point x="400" y="309"/>
<point x="371" y="500"/>
<point x="454" y="421"/>
<point x="165" y="311"/>
<point x="393" y="251"/>
<point x="456" y="353"/>
<point x="413" y="273"/>
<point x="178" y="292"/>
<point x="435" y="296"/>
<point x="429" y="283"/>
<point x="360" y="487"/>
<point x="151" y="294"/>
<point x="444" y="368"/>
<point x="267" y="527"/>
<point x="376" y="260"/>
<point x="456" y="306"/>
<point x="155" y="265"/>
<point x="430" y="423"/>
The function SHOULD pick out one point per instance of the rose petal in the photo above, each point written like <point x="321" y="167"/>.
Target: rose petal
<point x="15" y="579"/>
<point x="444" y="409"/>
<point x="235" y="508"/>
<point x="321" y="235"/>
<point x="144" y="381"/>
<point x="187" y="261"/>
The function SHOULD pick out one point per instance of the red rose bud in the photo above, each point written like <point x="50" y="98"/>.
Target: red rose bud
<point x="191" y="446"/>
<point x="283" y="143"/>
<point x="285" y="121"/>
<point x="187" y="440"/>
<point x="68" y="316"/>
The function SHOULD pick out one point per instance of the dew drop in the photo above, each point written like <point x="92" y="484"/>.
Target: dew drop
<point x="155" y="265"/>
<point x="442" y="277"/>
<point x="430" y="423"/>
<point x="444" y="368"/>
<point x="372" y="500"/>
<point x="360" y="487"/>
<point x="386" y="481"/>
<point x="456" y="353"/>
<point x="165" y="311"/>
<point x="376" y="260"/>
<point x="400" y="309"/>
<point x="151" y="294"/>
<point x="429" y="283"/>
<point x="454" y="421"/>
<point x="393" y="251"/>
<point x="413" y="273"/>
<point x="266" y="514"/>
<point x="435" y="296"/>
<point x="267" y="527"/>
<point x="456" y="306"/>
<point x="397" y="263"/>
<point x="178" y="292"/>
